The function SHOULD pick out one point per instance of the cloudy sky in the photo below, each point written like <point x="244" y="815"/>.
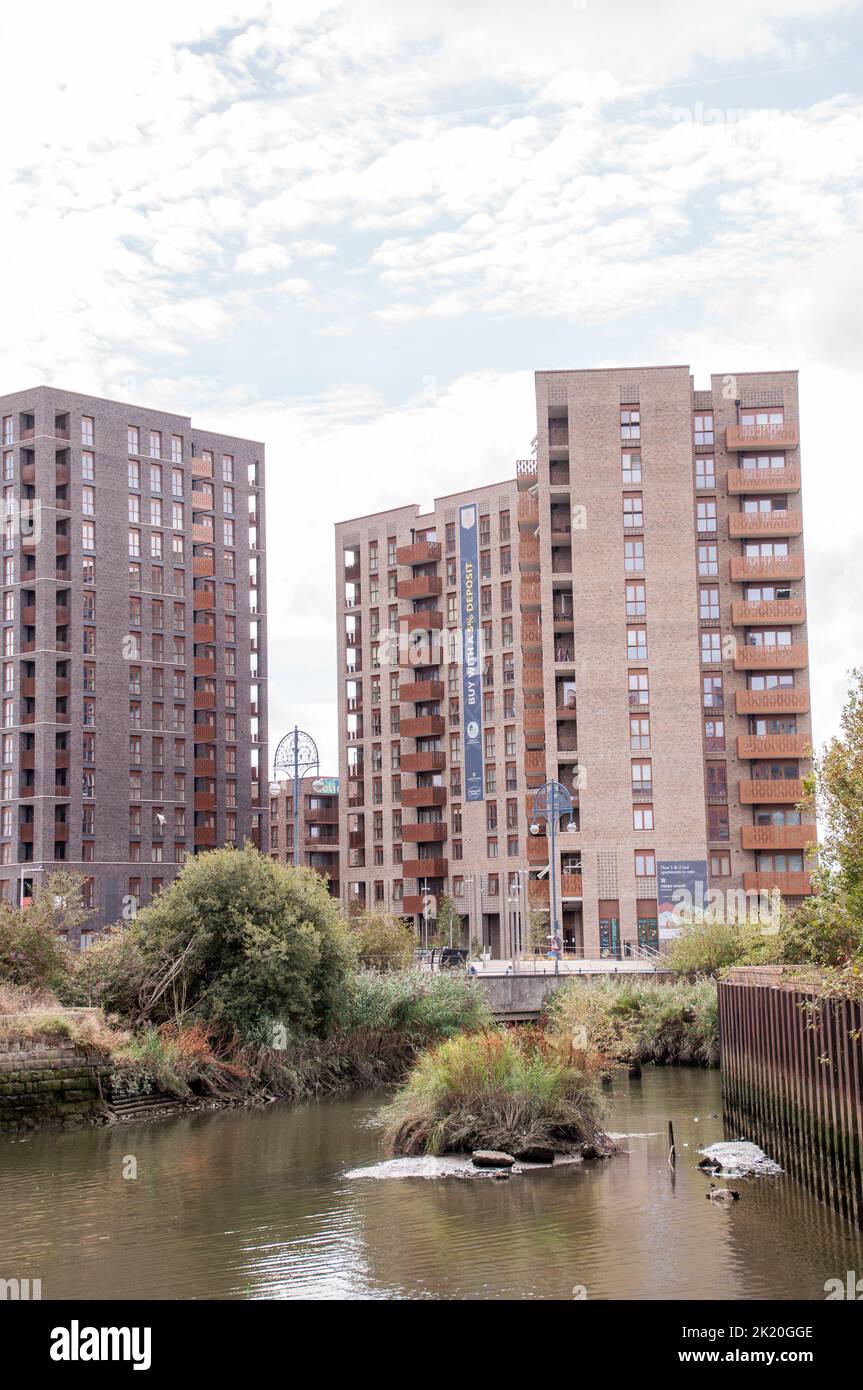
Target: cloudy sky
<point x="354" y="230"/>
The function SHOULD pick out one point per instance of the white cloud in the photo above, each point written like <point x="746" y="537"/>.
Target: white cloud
<point x="200" y="192"/>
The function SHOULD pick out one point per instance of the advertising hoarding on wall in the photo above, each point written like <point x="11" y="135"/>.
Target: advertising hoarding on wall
<point x="681" y="883"/>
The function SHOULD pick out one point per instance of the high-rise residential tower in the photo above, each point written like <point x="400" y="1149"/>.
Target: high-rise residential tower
<point x="667" y="521"/>
<point x="638" y="589"/>
<point x="431" y="758"/>
<point x="134" y="645"/>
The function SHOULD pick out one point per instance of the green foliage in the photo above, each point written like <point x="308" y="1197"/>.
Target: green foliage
<point x="449" y="926"/>
<point x="236" y="939"/>
<point x="827" y="929"/>
<point x="706" y="948"/>
<point x="419" y="1006"/>
<point x="497" y="1089"/>
<point x="382" y="942"/>
<point x="32" y="952"/>
<point x="638" y="1020"/>
<point x="111" y="974"/>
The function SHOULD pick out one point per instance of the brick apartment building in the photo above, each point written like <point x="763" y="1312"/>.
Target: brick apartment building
<point x="134" y="645"/>
<point x="319" y="826"/>
<point x="411" y="827"/>
<point x="643" y="607"/>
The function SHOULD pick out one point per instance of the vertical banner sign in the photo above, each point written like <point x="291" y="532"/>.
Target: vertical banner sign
<point x="474" y="777"/>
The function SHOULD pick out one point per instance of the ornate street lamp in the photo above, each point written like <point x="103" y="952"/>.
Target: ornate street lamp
<point x="552" y="800"/>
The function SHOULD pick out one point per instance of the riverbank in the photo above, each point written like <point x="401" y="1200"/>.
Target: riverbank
<point x="102" y="1073"/>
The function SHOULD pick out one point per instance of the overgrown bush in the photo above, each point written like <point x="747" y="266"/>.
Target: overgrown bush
<point x="494" y="1090"/>
<point x="614" y="1022"/>
<point x="382" y="942"/>
<point x="32" y="951"/>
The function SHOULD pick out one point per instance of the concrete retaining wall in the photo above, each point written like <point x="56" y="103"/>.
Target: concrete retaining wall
<point x="50" y="1082"/>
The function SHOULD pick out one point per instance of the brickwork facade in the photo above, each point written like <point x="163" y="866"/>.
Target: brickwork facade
<point x="134" y="645"/>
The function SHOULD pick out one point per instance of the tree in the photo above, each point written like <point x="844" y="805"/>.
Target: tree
<point x="449" y="922"/>
<point x="32" y="949"/>
<point x="382" y="942"/>
<point x="828" y="927"/>
<point x="239" y="942"/>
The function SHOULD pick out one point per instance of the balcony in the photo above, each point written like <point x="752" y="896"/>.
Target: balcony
<point x="202" y="468"/>
<point x="28" y="614"/>
<point x="744" y="437"/>
<point x="420" y="553"/>
<point x="531" y="634"/>
<point x="204" y="733"/>
<point x="423" y="586"/>
<point x="751" y="480"/>
<point x="777" y="836"/>
<point x="204" y="699"/>
<point x="534" y="768"/>
<point x="61" y="687"/>
<point x="528" y="553"/>
<point x="417" y="692"/>
<point x="778" y="611"/>
<point x="774" y="746"/>
<point x="202" y="501"/>
<point x="203" y="566"/>
<point x="203" y="599"/>
<point x="534" y="727"/>
<point x="202" y="535"/>
<point x="532" y="678"/>
<point x="204" y="666"/>
<point x="528" y="511"/>
<point x="765" y="567"/>
<point x="762" y="791"/>
<point x="61" y="832"/>
<point x="25" y="832"/>
<point x="412" y="903"/>
<point x="424" y="832"/>
<point x="425" y="868"/>
<point x="790" y="658"/>
<point x="427" y="726"/>
<point x="28" y="687"/>
<point x="205" y="767"/>
<point x="205" y="801"/>
<point x="753" y="524"/>
<point x="204" y="633"/>
<point x="205" y="836"/>
<point x="426" y="620"/>
<point x="28" y="760"/>
<point x="537" y="892"/>
<point x="790" y="885"/>
<point x="423" y="762"/>
<point x="424" y="796"/>
<point x="28" y="474"/>
<point x="526" y="473"/>
<point x="782" y="700"/>
<point x="570" y="886"/>
<point x="530" y="595"/>
<point x="537" y="850"/>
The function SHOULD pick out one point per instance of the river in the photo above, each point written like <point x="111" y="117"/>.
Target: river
<point x="256" y="1204"/>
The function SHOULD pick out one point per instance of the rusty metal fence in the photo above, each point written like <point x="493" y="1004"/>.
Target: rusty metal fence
<point x="792" y="1078"/>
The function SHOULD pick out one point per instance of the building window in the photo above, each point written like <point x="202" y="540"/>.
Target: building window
<point x="645" y="863"/>
<point x="630" y="425"/>
<point x="705" y="476"/>
<point x="642" y="817"/>
<point x="708" y="561"/>
<point x="704" y="428"/>
<point x="631" y="466"/>
<point x="708" y="600"/>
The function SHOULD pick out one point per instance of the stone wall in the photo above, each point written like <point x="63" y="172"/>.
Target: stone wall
<point x="50" y="1081"/>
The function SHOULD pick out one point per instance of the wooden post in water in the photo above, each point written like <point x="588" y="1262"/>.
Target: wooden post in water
<point x="672" y="1157"/>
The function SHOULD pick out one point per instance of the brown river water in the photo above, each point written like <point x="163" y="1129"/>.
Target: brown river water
<point x="257" y="1204"/>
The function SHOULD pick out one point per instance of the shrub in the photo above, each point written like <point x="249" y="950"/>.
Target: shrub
<point x="614" y="1022"/>
<point x="419" y="1006"/>
<point x="32" y="951"/>
<point x="493" y="1090"/>
<point x="382" y="942"/>
<point x="236" y="940"/>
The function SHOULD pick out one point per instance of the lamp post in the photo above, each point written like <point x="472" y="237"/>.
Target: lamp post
<point x="552" y="801"/>
<point x="515" y="903"/>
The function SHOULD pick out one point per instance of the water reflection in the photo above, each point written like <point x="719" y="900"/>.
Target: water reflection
<point x="256" y="1204"/>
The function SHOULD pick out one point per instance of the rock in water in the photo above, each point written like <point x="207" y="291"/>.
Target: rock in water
<point x="740" y="1160"/>
<point x="491" y="1158"/>
<point x="535" y="1153"/>
<point x="589" y="1151"/>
